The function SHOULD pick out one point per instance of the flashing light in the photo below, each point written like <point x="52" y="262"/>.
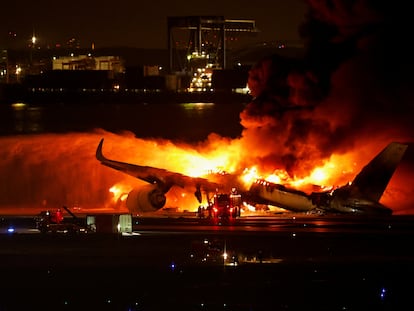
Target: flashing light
<point x="382" y="293"/>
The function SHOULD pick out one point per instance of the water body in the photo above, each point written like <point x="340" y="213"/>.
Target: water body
<point x="186" y="121"/>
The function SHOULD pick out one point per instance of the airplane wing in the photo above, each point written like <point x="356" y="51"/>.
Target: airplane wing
<point x="164" y="179"/>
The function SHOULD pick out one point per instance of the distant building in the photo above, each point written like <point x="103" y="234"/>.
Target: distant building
<point x="87" y="62"/>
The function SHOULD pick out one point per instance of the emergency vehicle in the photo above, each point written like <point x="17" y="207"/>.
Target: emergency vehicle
<point x="54" y="221"/>
<point x="222" y="206"/>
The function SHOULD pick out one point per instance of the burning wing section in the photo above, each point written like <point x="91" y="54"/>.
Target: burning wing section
<point x="359" y="197"/>
<point x="151" y="197"/>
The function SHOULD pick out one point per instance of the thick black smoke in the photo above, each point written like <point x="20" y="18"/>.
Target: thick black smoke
<point x="354" y="87"/>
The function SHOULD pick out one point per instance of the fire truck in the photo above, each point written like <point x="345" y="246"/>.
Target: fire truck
<point x="222" y="206"/>
<point x="54" y="222"/>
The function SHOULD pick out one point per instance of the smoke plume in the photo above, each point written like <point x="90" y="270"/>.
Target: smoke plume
<point x="353" y="89"/>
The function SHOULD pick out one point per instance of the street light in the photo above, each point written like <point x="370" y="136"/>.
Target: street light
<point x="33" y="41"/>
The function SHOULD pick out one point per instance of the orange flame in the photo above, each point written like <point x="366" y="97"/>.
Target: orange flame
<point x="62" y="169"/>
<point x="336" y="171"/>
<point x="120" y="192"/>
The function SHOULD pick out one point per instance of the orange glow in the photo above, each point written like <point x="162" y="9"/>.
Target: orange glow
<point x="278" y="177"/>
<point x="249" y="175"/>
<point x="336" y="171"/>
<point x="120" y="192"/>
<point x="62" y="169"/>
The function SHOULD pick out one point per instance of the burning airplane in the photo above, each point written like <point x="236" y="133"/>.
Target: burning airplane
<point x="359" y="197"/>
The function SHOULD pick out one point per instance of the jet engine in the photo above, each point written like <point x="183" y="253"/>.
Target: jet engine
<point x="148" y="198"/>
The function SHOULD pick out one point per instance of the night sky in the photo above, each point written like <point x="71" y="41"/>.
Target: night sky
<point x="137" y="23"/>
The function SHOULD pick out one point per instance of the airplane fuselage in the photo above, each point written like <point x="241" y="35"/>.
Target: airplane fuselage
<point x="280" y="196"/>
<point x="337" y="201"/>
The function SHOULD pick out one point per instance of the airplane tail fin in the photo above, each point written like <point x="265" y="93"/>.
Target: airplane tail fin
<point x="99" y="154"/>
<point x="375" y="176"/>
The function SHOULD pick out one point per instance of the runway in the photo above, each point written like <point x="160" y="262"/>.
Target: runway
<point x="255" y="263"/>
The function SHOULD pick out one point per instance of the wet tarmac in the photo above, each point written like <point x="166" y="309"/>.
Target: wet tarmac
<point x="254" y="263"/>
